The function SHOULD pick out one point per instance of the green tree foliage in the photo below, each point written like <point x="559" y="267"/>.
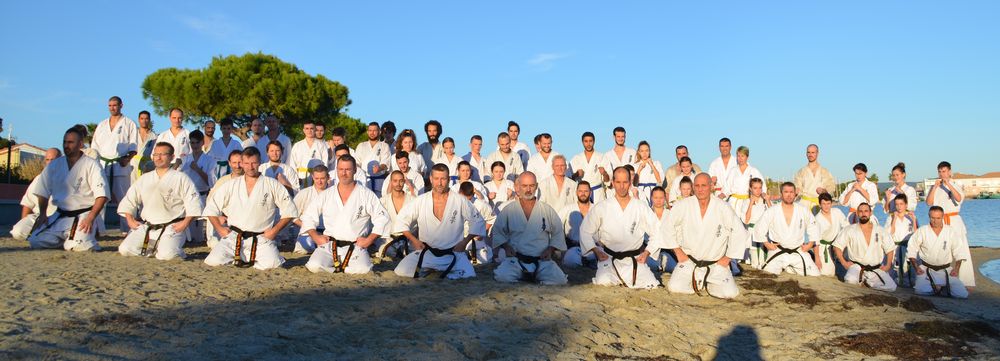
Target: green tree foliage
<point x="250" y="86"/>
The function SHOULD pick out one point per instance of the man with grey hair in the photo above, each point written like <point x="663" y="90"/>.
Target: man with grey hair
<point x="529" y="231"/>
<point x="558" y="190"/>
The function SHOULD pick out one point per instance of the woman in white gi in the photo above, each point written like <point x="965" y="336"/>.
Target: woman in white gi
<point x="448" y="158"/>
<point x="939" y="253"/>
<point x="686" y="171"/>
<point x="251" y="204"/>
<point x="789" y="232"/>
<point x="648" y="171"/>
<point x="530" y="232"/>
<point x="353" y="219"/>
<point x="899" y="186"/>
<point x="407" y="142"/>
<point x="614" y="230"/>
<point x="871" y="250"/>
<point x="464" y="170"/>
<point x="75" y="185"/>
<point x="706" y="235"/>
<point x="499" y="189"/>
<point x="736" y="190"/>
<point x="440" y="215"/>
<point x="860" y="191"/>
<point x="166" y="201"/>
<point x="830" y="221"/>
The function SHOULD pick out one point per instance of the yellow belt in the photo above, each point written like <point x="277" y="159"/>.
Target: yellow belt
<point x="740" y="196"/>
<point x="306" y="170"/>
<point x="813" y="200"/>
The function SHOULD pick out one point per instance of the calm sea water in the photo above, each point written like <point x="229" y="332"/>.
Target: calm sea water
<point x="981" y="216"/>
<point x="982" y="221"/>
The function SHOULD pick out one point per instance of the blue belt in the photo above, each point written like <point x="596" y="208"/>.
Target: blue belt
<point x="647" y="184"/>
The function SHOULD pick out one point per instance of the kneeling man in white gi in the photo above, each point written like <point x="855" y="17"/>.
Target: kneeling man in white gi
<point x="167" y="201"/>
<point x="440" y="216"/>
<point x="938" y="252"/>
<point x="871" y="250"/>
<point x="353" y="219"/>
<point x="614" y="230"/>
<point x="530" y="231"/>
<point x="783" y="230"/>
<point x="251" y="204"/>
<point x="705" y="235"/>
<point x="78" y="190"/>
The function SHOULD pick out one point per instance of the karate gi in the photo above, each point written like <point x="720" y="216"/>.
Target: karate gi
<point x="22" y="229"/>
<point x="303" y="243"/>
<point x="400" y="243"/>
<point x="370" y="157"/>
<point x="705" y="240"/>
<point x="828" y="231"/>
<point x="790" y="237"/>
<point x="512" y="164"/>
<point x="647" y="181"/>
<point x="71" y="190"/>
<point x="441" y="234"/>
<point x="286" y="146"/>
<point x="530" y="237"/>
<point x="622" y="232"/>
<point x="304" y="157"/>
<point x="943" y="199"/>
<point x="867" y="256"/>
<point x="555" y="196"/>
<point x="541" y="167"/>
<point x="181" y="142"/>
<point x="806" y="181"/>
<point x="937" y="254"/>
<point x="720" y="170"/>
<point x="591" y="174"/>
<point x="159" y="202"/>
<point x="852" y="199"/>
<point x="220" y="153"/>
<point x="253" y="212"/>
<point x="737" y="186"/>
<point x="480" y="169"/>
<point x="572" y="218"/>
<point x="344" y="222"/>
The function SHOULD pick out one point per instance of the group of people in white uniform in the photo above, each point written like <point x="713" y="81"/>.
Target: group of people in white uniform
<point x="531" y="213"/>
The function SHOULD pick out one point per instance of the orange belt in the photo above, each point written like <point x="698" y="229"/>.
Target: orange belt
<point x="854" y="210"/>
<point x="947" y="217"/>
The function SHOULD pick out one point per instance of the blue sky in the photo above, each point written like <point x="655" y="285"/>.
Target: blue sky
<point x="878" y="82"/>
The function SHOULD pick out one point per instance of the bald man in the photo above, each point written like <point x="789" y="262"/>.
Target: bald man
<point x="813" y="180"/>
<point x="29" y="203"/>
<point x="529" y="231"/>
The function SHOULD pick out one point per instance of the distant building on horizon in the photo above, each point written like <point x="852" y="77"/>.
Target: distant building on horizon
<point x="974" y="184"/>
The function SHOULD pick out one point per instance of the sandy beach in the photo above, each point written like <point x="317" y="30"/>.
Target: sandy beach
<point x="62" y="305"/>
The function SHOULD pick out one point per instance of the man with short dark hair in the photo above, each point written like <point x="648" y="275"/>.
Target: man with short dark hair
<point x="871" y="251"/>
<point x="441" y="216"/>
<point x="251" y="204"/>
<point x="352" y="219"/>
<point x="374" y="157"/>
<point x="307" y="153"/>
<point x="167" y="202"/>
<point x="75" y="184"/>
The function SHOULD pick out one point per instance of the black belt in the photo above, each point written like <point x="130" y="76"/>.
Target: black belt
<point x="947" y="277"/>
<point x="783" y="250"/>
<point x="704" y="282"/>
<point x="525" y="275"/>
<point x="339" y="266"/>
<point x="438" y="252"/>
<point x="867" y="268"/>
<point x="400" y="252"/>
<point x="64" y="213"/>
<point x="205" y="193"/>
<point x="153" y="227"/>
<point x="240" y="235"/>
<point x="623" y="255"/>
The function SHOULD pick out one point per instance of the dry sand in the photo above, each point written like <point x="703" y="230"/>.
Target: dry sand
<point x="62" y="305"/>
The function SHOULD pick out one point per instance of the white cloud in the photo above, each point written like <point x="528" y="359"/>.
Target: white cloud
<point x="546" y="61"/>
